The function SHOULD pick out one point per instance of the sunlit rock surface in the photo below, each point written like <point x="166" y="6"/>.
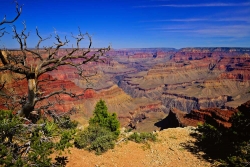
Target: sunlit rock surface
<point x="143" y="85"/>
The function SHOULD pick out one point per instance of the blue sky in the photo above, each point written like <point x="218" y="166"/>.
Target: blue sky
<point x="136" y="23"/>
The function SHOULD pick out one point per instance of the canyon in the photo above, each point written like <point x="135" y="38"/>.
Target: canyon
<point x="144" y="86"/>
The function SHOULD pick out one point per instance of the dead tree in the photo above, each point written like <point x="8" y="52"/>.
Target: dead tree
<point x="17" y="135"/>
<point x="2" y="29"/>
<point x="5" y="21"/>
<point x="45" y="59"/>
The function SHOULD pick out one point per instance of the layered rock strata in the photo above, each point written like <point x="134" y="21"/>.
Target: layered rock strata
<point x="195" y="79"/>
<point x="214" y="116"/>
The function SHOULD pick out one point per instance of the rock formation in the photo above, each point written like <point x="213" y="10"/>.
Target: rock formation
<point x="143" y="85"/>
<point x="195" y="78"/>
<point x="214" y="116"/>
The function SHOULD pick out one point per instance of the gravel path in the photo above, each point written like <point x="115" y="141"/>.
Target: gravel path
<point x="169" y="151"/>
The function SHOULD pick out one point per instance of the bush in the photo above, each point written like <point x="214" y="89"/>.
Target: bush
<point x="95" y="138"/>
<point x="230" y="146"/>
<point x="24" y="144"/>
<point x="102" y="131"/>
<point x="210" y="134"/>
<point x="142" y="137"/>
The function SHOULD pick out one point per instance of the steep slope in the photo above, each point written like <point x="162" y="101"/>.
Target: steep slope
<point x="195" y="78"/>
<point x="214" y="116"/>
<point x="152" y="81"/>
<point x="130" y="110"/>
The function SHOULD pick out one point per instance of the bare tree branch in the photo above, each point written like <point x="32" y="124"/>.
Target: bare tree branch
<point x="4" y="21"/>
<point x="32" y="63"/>
<point x="2" y="33"/>
<point x="18" y="10"/>
<point x="2" y="85"/>
<point x="63" y="91"/>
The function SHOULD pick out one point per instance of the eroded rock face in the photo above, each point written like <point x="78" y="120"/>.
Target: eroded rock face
<point x="130" y="111"/>
<point x="173" y="120"/>
<point x="195" y="78"/>
<point x="152" y="81"/>
<point x="214" y="116"/>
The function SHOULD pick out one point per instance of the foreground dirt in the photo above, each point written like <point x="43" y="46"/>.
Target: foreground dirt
<point x="169" y="151"/>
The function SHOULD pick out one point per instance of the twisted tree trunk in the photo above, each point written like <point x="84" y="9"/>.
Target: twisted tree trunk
<point x="29" y="105"/>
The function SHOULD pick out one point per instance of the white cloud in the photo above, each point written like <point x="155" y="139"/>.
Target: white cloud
<point x="195" y="5"/>
<point x="236" y="31"/>
<point x="178" y="20"/>
<point x="228" y="19"/>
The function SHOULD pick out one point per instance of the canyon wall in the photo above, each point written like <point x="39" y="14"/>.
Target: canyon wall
<point x="143" y="85"/>
<point x="195" y="78"/>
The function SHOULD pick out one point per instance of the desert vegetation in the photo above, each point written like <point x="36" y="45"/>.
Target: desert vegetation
<point x="231" y="146"/>
<point x="143" y="137"/>
<point x="102" y="132"/>
<point x="140" y="87"/>
<point x="26" y="144"/>
<point x="31" y="133"/>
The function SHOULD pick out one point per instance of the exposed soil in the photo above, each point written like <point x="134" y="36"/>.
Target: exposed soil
<point x="170" y="151"/>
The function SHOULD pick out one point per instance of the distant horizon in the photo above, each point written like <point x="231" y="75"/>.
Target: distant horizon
<point x="134" y="24"/>
<point x="198" y="47"/>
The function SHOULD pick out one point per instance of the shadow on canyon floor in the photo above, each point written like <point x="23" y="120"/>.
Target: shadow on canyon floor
<point x="197" y="148"/>
<point x="193" y="146"/>
<point x="168" y="122"/>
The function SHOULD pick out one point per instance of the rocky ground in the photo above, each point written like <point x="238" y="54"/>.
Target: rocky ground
<point x="172" y="150"/>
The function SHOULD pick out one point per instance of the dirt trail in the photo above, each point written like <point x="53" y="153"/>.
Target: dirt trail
<point x="168" y="152"/>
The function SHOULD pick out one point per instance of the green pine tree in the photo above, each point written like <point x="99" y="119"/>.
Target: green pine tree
<point x="102" y="131"/>
<point x="104" y="119"/>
